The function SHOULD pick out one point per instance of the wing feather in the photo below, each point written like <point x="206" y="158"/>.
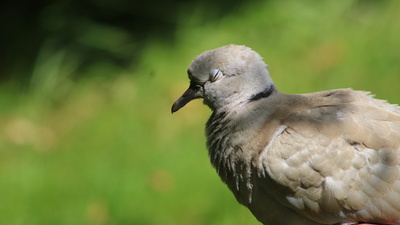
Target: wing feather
<point x="339" y="156"/>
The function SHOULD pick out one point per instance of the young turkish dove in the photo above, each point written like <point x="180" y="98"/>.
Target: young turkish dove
<point x="330" y="157"/>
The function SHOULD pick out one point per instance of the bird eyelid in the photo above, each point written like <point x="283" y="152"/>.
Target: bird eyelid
<point x="215" y="74"/>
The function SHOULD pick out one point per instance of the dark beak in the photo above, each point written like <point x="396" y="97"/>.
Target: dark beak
<point x="194" y="91"/>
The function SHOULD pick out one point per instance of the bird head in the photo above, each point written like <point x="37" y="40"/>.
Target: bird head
<point x="225" y="77"/>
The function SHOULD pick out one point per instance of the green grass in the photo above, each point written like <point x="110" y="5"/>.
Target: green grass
<point x="108" y="151"/>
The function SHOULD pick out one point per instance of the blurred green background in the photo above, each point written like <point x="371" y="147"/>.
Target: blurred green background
<point x="86" y="133"/>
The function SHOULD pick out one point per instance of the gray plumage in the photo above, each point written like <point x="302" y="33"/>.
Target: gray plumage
<point x="320" y="158"/>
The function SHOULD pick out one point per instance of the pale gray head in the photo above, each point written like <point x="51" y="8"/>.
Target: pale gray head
<point x="227" y="76"/>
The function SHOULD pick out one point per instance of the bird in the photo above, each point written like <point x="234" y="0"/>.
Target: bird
<point x="329" y="157"/>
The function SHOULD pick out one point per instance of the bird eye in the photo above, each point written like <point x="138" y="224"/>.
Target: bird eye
<point x="215" y="74"/>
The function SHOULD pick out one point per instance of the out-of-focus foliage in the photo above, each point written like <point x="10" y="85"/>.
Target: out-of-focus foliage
<point x="91" y="139"/>
<point x="89" y="33"/>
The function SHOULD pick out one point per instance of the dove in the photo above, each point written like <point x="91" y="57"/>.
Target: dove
<point x="330" y="157"/>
